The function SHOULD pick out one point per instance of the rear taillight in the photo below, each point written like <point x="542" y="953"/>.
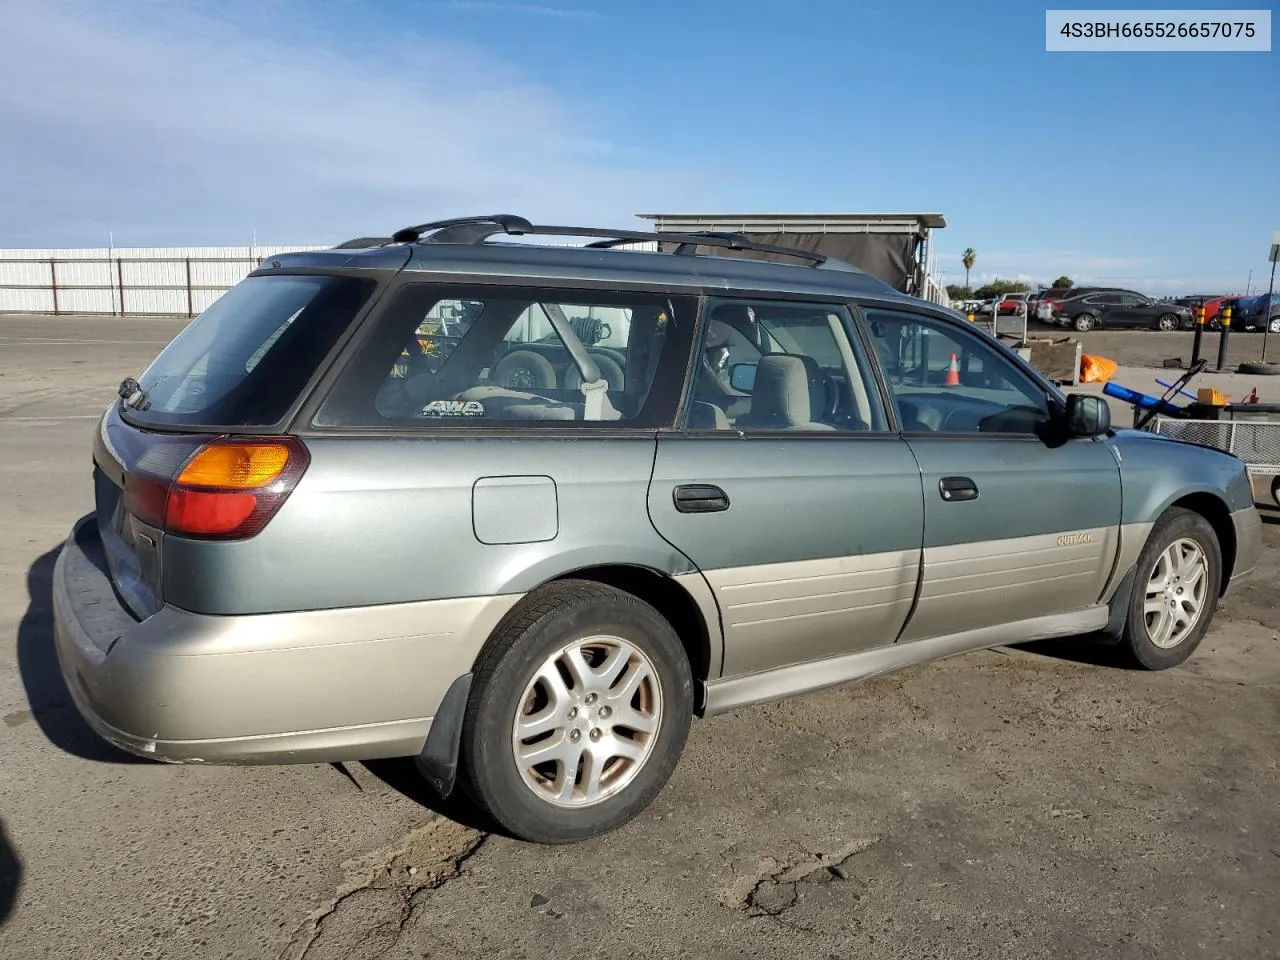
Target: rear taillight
<point x="227" y="490"/>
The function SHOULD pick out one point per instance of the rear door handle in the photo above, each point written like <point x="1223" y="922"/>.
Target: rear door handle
<point x="957" y="488"/>
<point x="700" y="498"/>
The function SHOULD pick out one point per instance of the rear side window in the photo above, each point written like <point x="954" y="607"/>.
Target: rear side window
<point x="446" y="356"/>
<point x="243" y="362"/>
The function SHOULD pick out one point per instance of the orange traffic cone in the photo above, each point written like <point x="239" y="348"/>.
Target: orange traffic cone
<point x="953" y="373"/>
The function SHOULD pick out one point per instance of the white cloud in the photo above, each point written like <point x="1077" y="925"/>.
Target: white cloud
<point x="169" y="125"/>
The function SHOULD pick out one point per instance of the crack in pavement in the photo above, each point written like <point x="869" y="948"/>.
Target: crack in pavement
<point x="775" y="887"/>
<point x="381" y="894"/>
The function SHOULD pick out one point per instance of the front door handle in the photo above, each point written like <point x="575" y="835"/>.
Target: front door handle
<point x="700" y="498"/>
<point x="957" y="488"/>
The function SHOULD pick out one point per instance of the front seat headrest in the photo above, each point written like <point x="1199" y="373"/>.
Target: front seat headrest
<point x="780" y="398"/>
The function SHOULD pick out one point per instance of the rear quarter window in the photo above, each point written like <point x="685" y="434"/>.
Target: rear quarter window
<point x="244" y="361"/>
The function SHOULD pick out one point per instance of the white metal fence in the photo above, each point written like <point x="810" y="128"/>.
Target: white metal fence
<point x="126" y="281"/>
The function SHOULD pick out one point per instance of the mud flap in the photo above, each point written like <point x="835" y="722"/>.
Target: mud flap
<point x="438" y="761"/>
<point x="1118" y="609"/>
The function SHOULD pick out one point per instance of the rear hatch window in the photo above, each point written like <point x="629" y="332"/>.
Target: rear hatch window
<point x="243" y="362"/>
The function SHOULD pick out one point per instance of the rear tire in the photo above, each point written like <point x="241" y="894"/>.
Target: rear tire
<point x="527" y="700"/>
<point x="1084" y="322"/>
<point x="1175" y="591"/>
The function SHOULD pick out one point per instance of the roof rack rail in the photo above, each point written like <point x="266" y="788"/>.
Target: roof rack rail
<point x="476" y="230"/>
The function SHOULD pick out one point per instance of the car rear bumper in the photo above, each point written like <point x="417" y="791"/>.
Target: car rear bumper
<point x="307" y="686"/>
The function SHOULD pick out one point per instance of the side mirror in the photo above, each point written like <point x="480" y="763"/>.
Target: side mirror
<point x="1087" y="415"/>
<point x="742" y="376"/>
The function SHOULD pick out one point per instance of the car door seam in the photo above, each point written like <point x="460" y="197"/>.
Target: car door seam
<point x="915" y="598"/>
<point x="648" y="511"/>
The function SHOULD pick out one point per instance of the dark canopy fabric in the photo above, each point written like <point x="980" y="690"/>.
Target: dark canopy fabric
<point x="889" y="256"/>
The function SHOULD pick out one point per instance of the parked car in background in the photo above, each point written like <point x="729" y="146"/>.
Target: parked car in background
<point x="1258" y="313"/>
<point x="1012" y="304"/>
<point x="1234" y="303"/>
<point x="1212" y="303"/>
<point x="1122" y="308"/>
<point x="1042" y="306"/>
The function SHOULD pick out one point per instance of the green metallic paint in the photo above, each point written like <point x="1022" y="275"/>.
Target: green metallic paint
<point x="819" y="550"/>
<point x="1158" y="471"/>
<point x="790" y="498"/>
<point x="1025" y="487"/>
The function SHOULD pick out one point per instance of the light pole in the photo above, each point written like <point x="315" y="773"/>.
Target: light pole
<point x="1266" y="313"/>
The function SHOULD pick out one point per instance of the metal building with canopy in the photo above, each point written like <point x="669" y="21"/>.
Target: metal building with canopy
<point x="896" y="247"/>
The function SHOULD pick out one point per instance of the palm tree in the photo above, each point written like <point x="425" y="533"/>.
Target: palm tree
<point x="967" y="258"/>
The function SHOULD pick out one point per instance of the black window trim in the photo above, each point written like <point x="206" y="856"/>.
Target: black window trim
<point x="962" y="331"/>
<point x="304" y="425"/>
<point x="849" y="321"/>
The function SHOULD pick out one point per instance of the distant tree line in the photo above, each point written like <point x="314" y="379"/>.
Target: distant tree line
<point x="998" y="288"/>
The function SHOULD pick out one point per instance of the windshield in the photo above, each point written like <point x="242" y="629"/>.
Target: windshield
<point x="244" y="361"/>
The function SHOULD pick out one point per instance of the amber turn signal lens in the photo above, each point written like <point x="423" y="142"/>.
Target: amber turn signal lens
<point x="235" y="466"/>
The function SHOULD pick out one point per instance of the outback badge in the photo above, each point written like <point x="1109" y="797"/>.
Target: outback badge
<point x="1074" y="539"/>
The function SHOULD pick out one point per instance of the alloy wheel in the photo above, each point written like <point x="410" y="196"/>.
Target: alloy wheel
<point x="587" y="721"/>
<point x="1176" y="593"/>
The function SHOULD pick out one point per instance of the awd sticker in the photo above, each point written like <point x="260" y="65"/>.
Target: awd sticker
<point x="453" y="408"/>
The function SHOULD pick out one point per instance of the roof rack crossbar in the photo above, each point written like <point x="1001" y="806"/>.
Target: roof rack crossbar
<point x="465" y="228"/>
<point x="474" y="230"/>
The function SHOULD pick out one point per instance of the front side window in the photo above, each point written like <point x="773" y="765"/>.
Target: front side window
<point x="446" y="356"/>
<point x="766" y="365"/>
<point x="946" y="380"/>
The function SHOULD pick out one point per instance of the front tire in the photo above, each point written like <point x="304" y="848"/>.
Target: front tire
<point x="1175" y="591"/>
<point x="1084" y="323"/>
<point x="1167" y="322"/>
<point x="578" y="713"/>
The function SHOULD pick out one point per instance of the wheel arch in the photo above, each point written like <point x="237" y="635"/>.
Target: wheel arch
<point x="686" y="602"/>
<point x="1215" y="510"/>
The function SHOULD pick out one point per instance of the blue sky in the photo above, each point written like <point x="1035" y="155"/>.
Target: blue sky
<point x="309" y="122"/>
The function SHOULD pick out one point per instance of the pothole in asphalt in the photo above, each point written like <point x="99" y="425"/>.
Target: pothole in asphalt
<point x="382" y="892"/>
<point x="777" y="886"/>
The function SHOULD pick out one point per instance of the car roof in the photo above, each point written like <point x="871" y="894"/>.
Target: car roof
<point x="463" y="250"/>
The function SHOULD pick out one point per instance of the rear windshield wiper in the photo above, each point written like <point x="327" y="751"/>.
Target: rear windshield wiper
<point x="132" y="394"/>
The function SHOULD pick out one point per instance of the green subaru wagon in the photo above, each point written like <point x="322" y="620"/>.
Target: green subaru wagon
<point x="521" y="510"/>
